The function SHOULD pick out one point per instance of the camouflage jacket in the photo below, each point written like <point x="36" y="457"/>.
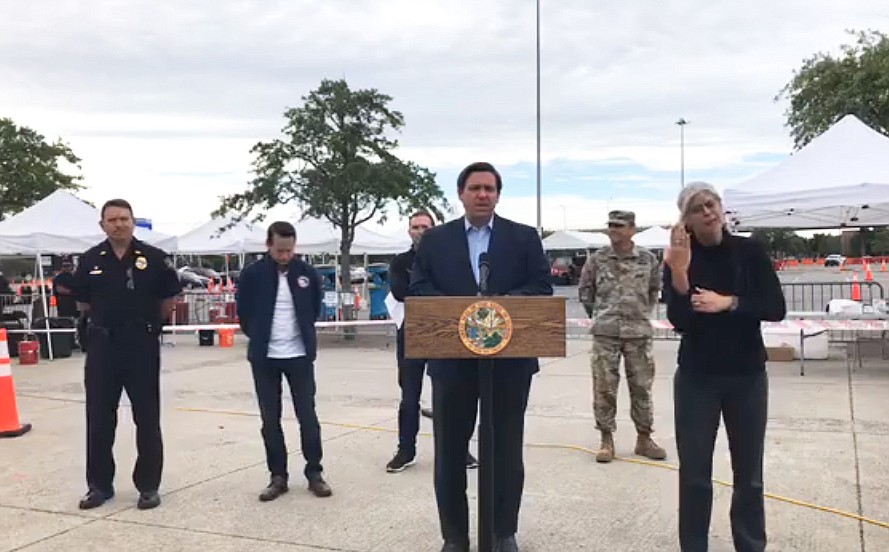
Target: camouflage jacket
<point x="621" y="291"/>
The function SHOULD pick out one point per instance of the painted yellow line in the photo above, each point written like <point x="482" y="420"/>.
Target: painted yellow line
<point x="559" y="446"/>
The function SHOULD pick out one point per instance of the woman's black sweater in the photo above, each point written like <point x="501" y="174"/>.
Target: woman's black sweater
<point x="726" y="343"/>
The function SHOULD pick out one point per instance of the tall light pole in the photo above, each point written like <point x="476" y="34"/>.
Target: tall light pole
<point x="539" y="206"/>
<point x="682" y="122"/>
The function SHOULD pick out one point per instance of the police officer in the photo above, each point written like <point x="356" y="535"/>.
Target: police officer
<point x="125" y="289"/>
<point x="620" y="284"/>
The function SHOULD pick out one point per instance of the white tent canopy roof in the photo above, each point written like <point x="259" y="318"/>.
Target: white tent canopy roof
<point x="63" y="224"/>
<point x="573" y="239"/>
<point x="653" y="238"/>
<point x="841" y="178"/>
<point x="313" y="237"/>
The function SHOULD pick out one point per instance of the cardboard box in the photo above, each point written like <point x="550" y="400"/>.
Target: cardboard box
<point x="780" y="354"/>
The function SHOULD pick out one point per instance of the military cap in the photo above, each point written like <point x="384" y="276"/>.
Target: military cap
<point x="622" y="218"/>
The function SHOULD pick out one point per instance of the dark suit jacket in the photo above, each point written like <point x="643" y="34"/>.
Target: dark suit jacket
<point x="518" y="266"/>
<point x="257" y="291"/>
<point x="400" y="274"/>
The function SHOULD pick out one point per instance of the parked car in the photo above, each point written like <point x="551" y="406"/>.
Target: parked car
<point x="191" y="279"/>
<point x="834" y="260"/>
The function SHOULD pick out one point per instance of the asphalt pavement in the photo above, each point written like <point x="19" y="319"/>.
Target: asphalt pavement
<point x="826" y="463"/>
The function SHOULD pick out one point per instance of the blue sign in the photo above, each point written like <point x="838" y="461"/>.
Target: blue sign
<point x="143" y="223"/>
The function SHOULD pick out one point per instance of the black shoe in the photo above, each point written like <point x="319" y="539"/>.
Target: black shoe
<point x="402" y="459"/>
<point x="426" y="412"/>
<point x="471" y="462"/>
<point x="94" y="498"/>
<point x="319" y="487"/>
<point x="506" y="544"/>
<point x="277" y="487"/>
<point x="147" y="501"/>
<point x="451" y="546"/>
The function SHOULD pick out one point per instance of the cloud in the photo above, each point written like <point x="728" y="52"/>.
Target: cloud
<point x="164" y="100"/>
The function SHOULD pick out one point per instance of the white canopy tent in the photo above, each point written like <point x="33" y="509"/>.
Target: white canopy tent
<point x="572" y="239"/>
<point x="653" y="238"/>
<point x="313" y="237"/>
<point x="316" y="236"/>
<point x="840" y="179"/>
<point x="208" y="239"/>
<point x="63" y="224"/>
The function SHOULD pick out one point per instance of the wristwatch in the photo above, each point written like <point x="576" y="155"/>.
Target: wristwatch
<point x="734" y="306"/>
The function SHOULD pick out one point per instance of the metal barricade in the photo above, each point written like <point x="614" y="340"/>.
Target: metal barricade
<point x="815" y="296"/>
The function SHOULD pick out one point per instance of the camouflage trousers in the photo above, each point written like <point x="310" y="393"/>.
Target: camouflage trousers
<point x="639" y="366"/>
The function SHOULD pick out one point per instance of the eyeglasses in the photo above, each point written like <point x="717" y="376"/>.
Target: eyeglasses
<point x="697" y="209"/>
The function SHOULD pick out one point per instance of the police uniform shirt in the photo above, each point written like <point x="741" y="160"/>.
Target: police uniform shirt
<point x="126" y="291"/>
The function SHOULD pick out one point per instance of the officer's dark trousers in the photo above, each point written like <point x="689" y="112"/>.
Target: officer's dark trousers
<point x="300" y="374"/>
<point x="742" y="401"/>
<point x="410" y="380"/>
<point x="129" y="360"/>
<point x="455" y="406"/>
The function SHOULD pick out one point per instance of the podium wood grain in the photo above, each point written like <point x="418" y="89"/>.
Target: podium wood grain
<point x="431" y="326"/>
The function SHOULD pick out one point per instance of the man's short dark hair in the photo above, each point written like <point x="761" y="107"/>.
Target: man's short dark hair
<point x="478" y="167"/>
<point x="281" y="229"/>
<point x="426" y="214"/>
<point x="120" y="203"/>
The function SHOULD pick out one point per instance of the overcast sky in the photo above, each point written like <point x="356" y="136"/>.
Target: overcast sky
<point x="163" y="103"/>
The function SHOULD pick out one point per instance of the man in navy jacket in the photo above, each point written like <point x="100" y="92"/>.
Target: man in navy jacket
<point x="446" y="263"/>
<point x="279" y="299"/>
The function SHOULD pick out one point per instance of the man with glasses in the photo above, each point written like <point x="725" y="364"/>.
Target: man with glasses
<point x="124" y="289"/>
<point x="620" y="284"/>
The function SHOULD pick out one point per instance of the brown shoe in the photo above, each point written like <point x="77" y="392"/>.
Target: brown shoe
<point x="277" y="487"/>
<point x="606" y="449"/>
<point x="646" y="447"/>
<point x="319" y="487"/>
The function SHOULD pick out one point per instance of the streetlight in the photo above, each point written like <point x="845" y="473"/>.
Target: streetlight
<point x="539" y="206"/>
<point x="682" y="122"/>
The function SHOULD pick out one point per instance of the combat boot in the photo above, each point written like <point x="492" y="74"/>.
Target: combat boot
<point x="645" y="446"/>
<point x="606" y="449"/>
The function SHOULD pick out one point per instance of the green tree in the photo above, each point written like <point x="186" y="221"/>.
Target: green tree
<point x="823" y="245"/>
<point x="29" y="168"/>
<point x="781" y="241"/>
<point x="336" y="160"/>
<point x="827" y="87"/>
<point x="878" y="244"/>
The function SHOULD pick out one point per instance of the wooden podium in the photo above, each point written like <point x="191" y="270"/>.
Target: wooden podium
<point x="432" y="327"/>
<point x="484" y="328"/>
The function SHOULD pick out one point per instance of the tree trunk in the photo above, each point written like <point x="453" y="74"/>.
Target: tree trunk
<point x="349" y="310"/>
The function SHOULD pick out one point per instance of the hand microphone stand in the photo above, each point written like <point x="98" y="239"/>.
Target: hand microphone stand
<point x="485" y="432"/>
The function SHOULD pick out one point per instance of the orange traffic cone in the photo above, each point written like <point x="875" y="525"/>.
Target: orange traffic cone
<point x="868" y="275"/>
<point x="856" y="287"/>
<point x="883" y="266"/>
<point x="10" y="426"/>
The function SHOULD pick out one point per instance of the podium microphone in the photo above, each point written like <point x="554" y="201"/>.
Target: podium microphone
<point x="484" y="271"/>
<point x="485" y="430"/>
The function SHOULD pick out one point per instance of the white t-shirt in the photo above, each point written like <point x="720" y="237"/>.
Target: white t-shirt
<point x="286" y="340"/>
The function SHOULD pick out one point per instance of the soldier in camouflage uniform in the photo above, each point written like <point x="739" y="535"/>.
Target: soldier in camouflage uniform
<point x="620" y="283"/>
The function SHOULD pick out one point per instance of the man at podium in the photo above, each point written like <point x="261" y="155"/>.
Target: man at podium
<point x="447" y="263"/>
